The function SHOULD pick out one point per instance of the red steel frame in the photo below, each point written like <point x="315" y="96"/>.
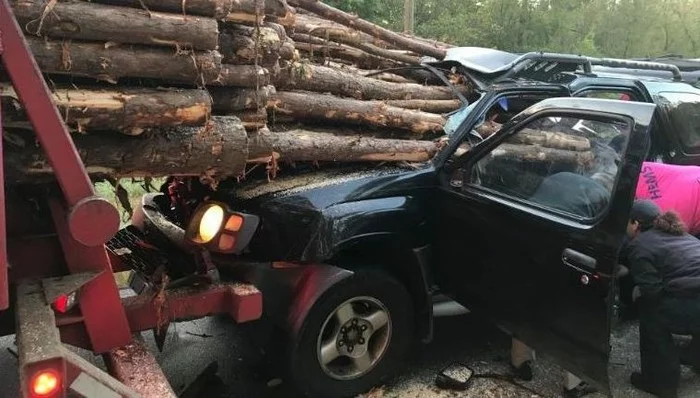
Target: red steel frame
<point x="83" y="224"/>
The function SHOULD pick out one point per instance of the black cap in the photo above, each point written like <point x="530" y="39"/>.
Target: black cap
<point x="645" y="212"/>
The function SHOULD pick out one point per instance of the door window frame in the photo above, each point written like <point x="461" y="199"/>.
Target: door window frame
<point x="532" y="208"/>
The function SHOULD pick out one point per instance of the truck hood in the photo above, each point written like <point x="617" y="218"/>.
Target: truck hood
<point x="321" y="188"/>
<point x="301" y="215"/>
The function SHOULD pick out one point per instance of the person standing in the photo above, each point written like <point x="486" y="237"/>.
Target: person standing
<point x="664" y="263"/>
<point x="673" y="187"/>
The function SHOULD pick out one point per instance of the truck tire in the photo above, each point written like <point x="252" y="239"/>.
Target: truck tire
<point x="353" y="337"/>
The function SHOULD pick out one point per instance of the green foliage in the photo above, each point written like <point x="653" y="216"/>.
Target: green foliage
<point x="612" y="28"/>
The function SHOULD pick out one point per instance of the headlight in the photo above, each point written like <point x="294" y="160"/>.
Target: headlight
<point x="217" y="228"/>
<point x="210" y="224"/>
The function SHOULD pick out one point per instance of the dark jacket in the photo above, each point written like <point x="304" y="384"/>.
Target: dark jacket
<point x="663" y="264"/>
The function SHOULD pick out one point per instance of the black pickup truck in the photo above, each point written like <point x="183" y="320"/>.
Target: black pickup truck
<point x="349" y="258"/>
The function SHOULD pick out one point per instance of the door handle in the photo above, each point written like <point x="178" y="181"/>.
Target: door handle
<point x="579" y="261"/>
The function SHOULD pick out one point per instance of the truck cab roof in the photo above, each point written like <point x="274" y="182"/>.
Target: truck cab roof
<point x="669" y="82"/>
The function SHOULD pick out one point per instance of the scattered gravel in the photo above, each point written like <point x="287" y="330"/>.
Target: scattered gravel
<point x="463" y="339"/>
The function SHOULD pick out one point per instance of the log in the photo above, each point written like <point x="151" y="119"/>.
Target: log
<point x="318" y="50"/>
<point x="430" y="42"/>
<point x="230" y="100"/>
<point x="128" y="110"/>
<point x="309" y="23"/>
<point x="218" y="9"/>
<point x="281" y="30"/>
<point x="309" y="77"/>
<point x="432" y="106"/>
<point x="217" y="149"/>
<point x="551" y="140"/>
<point x="288" y="51"/>
<point x="305" y="105"/>
<point x="252" y="120"/>
<point x="208" y="8"/>
<point x="345" y="37"/>
<point x="304" y="145"/>
<point x="395" y="39"/>
<point x="241" y="76"/>
<point x="245" y="45"/>
<point x="277" y="8"/>
<point x="97" y="22"/>
<point x="390" y="77"/>
<point x="538" y="154"/>
<point x="110" y="63"/>
<point x="386" y="76"/>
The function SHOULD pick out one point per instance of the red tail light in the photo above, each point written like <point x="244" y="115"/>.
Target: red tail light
<point x="45" y="383"/>
<point x="65" y="302"/>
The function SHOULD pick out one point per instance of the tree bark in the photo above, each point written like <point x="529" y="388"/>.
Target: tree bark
<point x="217" y="149"/>
<point x="288" y="50"/>
<point x="245" y="11"/>
<point x="304" y="105"/>
<point x="98" y="22"/>
<point x="128" y="110"/>
<point x="311" y="77"/>
<point x="347" y="38"/>
<point x="231" y="100"/>
<point x="390" y="77"/>
<point x="210" y="8"/>
<point x="303" y="145"/>
<point x="314" y="26"/>
<point x="110" y="63"/>
<point x="252" y="120"/>
<point x="318" y="51"/>
<point x="245" y="44"/>
<point x="395" y="39"/>
<point x="241" y="76"/>
<point x="432" y="106"/>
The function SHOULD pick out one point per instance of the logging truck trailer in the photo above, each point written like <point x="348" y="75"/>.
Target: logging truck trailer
<point x="345" y="261"/>
<point x="57" y="286"/>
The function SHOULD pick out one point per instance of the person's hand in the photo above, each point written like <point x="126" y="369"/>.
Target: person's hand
<point x="636" y="293"/>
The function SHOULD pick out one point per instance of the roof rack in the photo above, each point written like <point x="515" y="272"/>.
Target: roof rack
<point x="634" y="64"/>
<point x="539" y="60"/>
<point x="487" y="65"/>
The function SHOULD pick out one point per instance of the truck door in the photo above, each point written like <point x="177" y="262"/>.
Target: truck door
<point x="529" y="222"/>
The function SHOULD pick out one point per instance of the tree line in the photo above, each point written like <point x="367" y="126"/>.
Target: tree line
<point x="610" y="28"/>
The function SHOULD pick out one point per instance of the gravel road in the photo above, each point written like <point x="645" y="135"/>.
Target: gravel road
<point x="191" y="346"/>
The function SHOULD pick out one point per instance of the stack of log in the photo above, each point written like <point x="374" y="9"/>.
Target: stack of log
<point x="171" y="87"/>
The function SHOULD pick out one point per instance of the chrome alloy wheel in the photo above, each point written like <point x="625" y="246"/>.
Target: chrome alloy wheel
<point x="354" y="338"/>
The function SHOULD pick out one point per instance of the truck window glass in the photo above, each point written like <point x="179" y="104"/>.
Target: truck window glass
<point x="566" y="164"/>
<point x="683" y="111"/>
<point x="455" y="119"/>
<point x="622" y="95"/>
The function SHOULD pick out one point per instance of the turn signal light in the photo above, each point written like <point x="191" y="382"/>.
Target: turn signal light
<point x="45" y="383"/>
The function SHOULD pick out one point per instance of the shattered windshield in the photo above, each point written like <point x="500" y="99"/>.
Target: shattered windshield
<point x="683" y="110"/>
<point x="457" y="117"/>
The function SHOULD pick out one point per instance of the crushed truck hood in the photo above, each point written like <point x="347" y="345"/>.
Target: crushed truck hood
<point x="301" y="215"/>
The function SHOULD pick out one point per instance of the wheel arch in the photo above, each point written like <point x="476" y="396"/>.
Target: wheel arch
<point x="390" y="253"/>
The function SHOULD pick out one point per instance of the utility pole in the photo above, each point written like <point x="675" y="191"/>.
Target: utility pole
<point x="409" y="12"/>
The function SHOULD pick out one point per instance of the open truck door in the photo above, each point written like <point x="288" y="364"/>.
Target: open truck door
<point x="533" y="239"/>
